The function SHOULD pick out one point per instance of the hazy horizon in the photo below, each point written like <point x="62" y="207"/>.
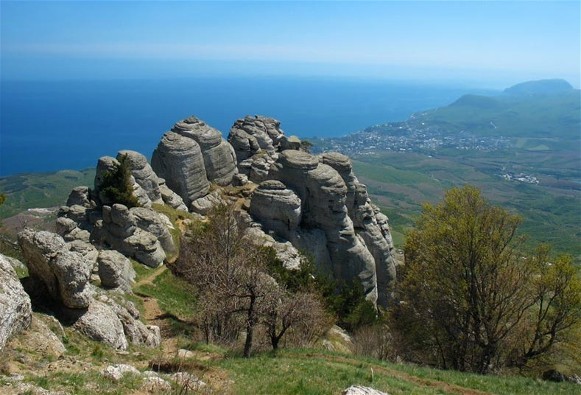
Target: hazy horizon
<point x="480" y="44"/>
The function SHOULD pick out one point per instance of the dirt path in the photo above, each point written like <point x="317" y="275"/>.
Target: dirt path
<point x="421" y="381"/>
<point x="154" y="315"/>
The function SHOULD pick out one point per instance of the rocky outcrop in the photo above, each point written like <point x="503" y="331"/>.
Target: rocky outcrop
<point x="178" y="159"/>
<point x="128" y="231"/>
<point x="15" y="306"/>
<point x="257" y="141"/>
<point x="276" y="208"/>
<point x="219" y="157"/>
<point x="115" y="270"/>
<point x="64" y="273"/>
<point x="99" y="322"/>
<point x="369" y="224"/>
<point x="323" y="196"/>
<point x="144" y="176"/>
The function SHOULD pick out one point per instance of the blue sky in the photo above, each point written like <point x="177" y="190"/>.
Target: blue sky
<point x="489" y="43"/>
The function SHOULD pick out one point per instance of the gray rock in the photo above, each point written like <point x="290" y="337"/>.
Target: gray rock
<point x="73" y="272"/>
<point x="179" y="160"/>
<point x="361" y="390"/>
<point x="369" y="224"/>
<point x="105" y="164"/>
<point x="254" y="133"/>
<point x="65" y="273"/>
<point x="116" y="372"/>
<point x="136" y="332"/>
<point x="171" y="198"/>
<point x="115" y="270"/>
<point x="154" y="223"/>
<point x="219" y="157"/>
<point x="277" y="208"/>
<point x="99" y="322"/>
<point x="120" y="230"/>
<point x="323" y="194"/>
<point x="143" y="174"/>
<point x="15" y="306"/>
<point x="80" y="196"/>
<point x="204" y="204"/>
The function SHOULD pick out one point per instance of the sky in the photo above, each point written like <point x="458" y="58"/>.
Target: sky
<point x="490" y="43"/>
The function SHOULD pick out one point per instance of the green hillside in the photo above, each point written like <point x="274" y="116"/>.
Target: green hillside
<point x="552" y="118"/>
<point x="36" y="190"/>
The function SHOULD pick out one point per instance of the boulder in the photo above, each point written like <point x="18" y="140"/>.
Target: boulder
<point x="115" y="270"/>
<point x="219" y="156"/>
<point x="179" y="160"/>
<point x="15" y="306"/>
<point x="64" y="273"/>
<point x="361" y="390"/>
<point x="143" y="174"/>
<point x="204" y="204"/>
<point x="157" y="224"/>
<point x="171" y="198"/>
<point x="99" y="322"/>
<point x="116" y="372"/>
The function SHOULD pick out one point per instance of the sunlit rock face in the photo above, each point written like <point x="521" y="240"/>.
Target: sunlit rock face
<point x="219" y="156"/>
<point x="178" y="159"/>
<point x="369" y="223"/>
<point x="325" y="218"/>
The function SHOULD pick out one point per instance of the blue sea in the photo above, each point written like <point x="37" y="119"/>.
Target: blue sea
<point x="54" y="125"/>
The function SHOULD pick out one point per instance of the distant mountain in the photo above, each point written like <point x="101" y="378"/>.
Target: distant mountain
<point x="536" y="109"/>
<point x="540" y="87"/>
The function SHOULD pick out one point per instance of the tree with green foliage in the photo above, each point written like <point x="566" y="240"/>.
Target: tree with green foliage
<point x="117" y="185"/>
<point x="467" y="289"/>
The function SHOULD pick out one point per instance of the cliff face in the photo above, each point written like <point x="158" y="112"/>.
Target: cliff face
<point x="300" y="202"/>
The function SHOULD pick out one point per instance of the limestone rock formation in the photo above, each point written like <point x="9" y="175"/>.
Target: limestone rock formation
<point x="219" y="157"/>
<point x="128" y="231"/>
<point x="369" y="223"/>
<point x="144" y="176"/>
<point x="15" y="307"/>
<point x="99" y="322"/>
<point x="115" y="270"/>
<point x="64" y="273"/>
<point x="251" y="134"/>
<point x="324" y="218"/>
<point x="257" y="141"/>
<point x="178" y="159"/>
<point x="277" y="208"/>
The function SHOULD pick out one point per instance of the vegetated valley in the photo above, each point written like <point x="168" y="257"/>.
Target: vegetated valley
<point x="521" y="149"/>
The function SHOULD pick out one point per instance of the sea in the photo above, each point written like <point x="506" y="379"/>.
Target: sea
<point x="47" y="126"/>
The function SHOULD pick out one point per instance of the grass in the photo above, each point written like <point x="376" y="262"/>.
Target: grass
<point x="174" y="295"/>
<point x="400" y="182"/>
<point x="318" y="372"/>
